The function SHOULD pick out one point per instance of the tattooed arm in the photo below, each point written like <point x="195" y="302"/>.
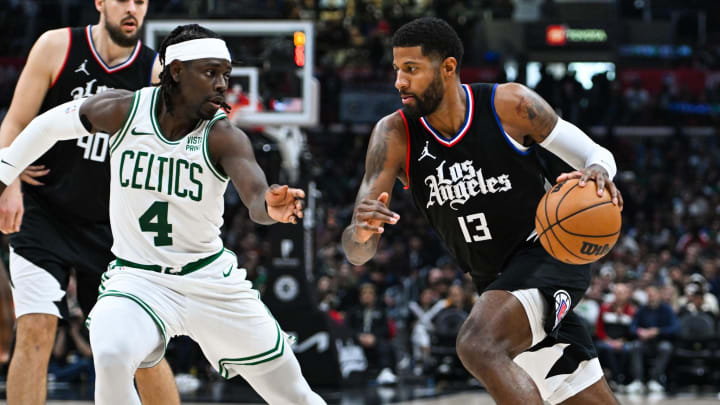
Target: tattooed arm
<point x="529" y="119"/>
<point x="524" y="115"/>
<point x="384" y="163"/>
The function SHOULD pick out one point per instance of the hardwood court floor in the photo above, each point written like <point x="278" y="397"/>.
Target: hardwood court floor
<point x="473" y="399"/>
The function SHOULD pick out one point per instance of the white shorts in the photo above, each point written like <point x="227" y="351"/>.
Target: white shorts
<point x="34" y="290"/>
<point x="215" y="306"/>
<point x="577" y="373"/>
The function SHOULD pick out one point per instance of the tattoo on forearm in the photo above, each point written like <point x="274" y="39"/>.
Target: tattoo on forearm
<point x="539" y="113"/>
<point x="376" y="158"/>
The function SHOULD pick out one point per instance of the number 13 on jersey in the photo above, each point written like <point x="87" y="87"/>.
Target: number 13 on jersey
<point x="480" y="231"/>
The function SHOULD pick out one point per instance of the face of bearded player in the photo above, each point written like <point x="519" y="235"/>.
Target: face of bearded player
<point x="418" y="80"/>
<point x="122" y="19"/>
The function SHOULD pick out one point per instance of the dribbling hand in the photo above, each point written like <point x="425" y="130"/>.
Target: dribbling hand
<point x="284" y="204"/>
<point x="598" y="174"/>
<point x="370" y="216"/>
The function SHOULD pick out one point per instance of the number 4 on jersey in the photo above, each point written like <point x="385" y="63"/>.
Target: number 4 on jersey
<point x="159" y="210"/>
<point x="483" y="232"/>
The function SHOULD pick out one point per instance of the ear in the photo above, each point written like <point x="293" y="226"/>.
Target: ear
<point x="98" y="5"/>
<point x="449" y="66"/>
<point x="176" y="69"/>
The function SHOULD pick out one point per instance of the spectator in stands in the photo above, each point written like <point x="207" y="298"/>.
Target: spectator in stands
<point x="437" y="281"/>
<point x="697" y="298"/>
<point x="636" y="100"/>
<point x="655" y="326"/>
<point x="370" y="324"/>
<point x="421" y="315"/>
<point x="613" y="332"/>
<point x="711" y="274"/>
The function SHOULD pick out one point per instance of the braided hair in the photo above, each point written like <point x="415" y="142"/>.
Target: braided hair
<point x="181" y="33"/>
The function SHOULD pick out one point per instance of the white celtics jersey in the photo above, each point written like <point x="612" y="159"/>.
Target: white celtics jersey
<point x="166" y="197"/>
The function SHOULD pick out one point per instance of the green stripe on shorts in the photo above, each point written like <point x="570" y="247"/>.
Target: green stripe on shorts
<point x="264" y="357"/>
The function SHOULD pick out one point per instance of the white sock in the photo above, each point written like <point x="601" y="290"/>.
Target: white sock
<point x="122" y="336"/>
<point x="285" y="385"/>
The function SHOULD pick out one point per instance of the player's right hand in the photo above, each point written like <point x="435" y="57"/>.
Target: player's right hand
<point x="31" y="172"/>
<point x="11" y="208"/>
<point x="371" y="215"/>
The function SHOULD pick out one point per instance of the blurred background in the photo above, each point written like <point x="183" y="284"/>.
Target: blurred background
<point x="642" y="77"/>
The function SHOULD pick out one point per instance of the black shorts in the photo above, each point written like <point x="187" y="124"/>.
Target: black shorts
<point x="58" y="246"/>
<point x="558" y="283"/>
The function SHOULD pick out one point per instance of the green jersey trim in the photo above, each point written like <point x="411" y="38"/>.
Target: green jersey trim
<point x="154" y="120"/>
<point x="206" y="150"/>
<point x="126" y="124"/>
<point x="264" y="357"/>
<point x="231" y="252"/>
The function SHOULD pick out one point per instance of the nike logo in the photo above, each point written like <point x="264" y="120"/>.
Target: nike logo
<point x="7" y="163"/>
<point x="134" y="132"/>
<point x="227" y="273"/>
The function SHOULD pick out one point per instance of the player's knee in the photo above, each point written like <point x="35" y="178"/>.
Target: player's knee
<point x="112" y="359"/>
<point x="471" y="347"/>
<point x="36" y="332"/>
<point x="474" y="346"/>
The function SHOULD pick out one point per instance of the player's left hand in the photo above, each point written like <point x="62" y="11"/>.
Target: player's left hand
<point x="284" y="204"/>
<point x="598" y="174"/>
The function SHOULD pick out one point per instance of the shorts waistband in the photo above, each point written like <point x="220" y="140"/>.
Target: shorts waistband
<point x="178" y="271"/>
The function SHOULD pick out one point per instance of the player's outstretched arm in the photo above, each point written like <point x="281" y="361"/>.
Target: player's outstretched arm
<point x="105" y="112"/>
<point x="529" y="119"/>
<point x="384" y="163"/>
<point x="231" y="150"/>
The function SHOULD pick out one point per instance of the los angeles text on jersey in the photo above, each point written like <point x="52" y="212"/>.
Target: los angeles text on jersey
<point x="144" y="170"/>
<point x="461" y="182"/>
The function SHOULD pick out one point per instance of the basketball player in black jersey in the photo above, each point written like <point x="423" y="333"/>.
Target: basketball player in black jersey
<point x="475" y="158"/>
<point x="65" y="220"/>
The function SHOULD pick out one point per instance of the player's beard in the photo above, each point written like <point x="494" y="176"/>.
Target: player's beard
<point x="119" y="37"/>
<point x="427" y="102"/>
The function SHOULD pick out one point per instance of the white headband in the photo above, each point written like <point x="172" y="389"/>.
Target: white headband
<point x="197" y="49"/>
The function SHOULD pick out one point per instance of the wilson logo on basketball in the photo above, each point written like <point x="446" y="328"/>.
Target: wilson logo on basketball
<point x="461" y="182"/>
<point x="593" y="249"/>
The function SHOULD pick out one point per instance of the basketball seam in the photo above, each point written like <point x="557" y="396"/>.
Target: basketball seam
<point x="552" y="251"/>
<point x="549" y="245"/>
<point x="559" y="222"/>
<point x="553" y="232"/>
<point x="573" y="214"/>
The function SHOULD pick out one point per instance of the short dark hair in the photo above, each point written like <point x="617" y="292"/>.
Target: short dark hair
<point x="435" y="37"/>
<point x="181" y="33"/>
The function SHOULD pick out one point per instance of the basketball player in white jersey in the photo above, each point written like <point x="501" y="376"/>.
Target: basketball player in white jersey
<point x="64" y="212"/>
<point x="172" y="154"/>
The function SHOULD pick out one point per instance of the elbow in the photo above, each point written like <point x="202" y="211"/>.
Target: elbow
<point x="254" y="217"/>
<point x="355" y="257"/>
<point x="261" y="219"/>
<point x="356" y="261"/>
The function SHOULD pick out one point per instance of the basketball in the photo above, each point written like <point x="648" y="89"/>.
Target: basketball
<point x="575" y="225"/>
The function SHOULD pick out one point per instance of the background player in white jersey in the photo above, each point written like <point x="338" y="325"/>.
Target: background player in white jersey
<point x="64" y="218"/>
<point x="172" y="154"/>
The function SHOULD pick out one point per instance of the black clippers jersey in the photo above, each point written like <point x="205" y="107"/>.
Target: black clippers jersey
<point x="78" y="185"/>
<point x="478" y="190"/>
